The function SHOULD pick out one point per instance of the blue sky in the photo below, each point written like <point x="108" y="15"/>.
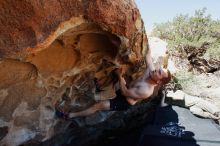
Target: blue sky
<point x="157" y="11"/>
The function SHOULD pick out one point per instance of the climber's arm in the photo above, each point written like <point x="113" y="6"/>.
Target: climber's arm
<point x="149" y="63"/>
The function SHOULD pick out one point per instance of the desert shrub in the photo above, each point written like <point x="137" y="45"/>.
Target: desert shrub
<point x="185" y="78"/>
<point x="197" y="31"/>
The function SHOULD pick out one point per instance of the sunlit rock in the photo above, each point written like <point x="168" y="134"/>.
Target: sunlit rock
<point x="158" y="51"/>
<point x="52" y="49"/>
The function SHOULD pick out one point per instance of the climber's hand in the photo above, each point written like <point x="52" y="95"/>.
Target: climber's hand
<point x="119" y="71"/>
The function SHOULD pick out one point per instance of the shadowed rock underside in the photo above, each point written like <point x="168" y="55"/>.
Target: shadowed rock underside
<point x="49" y="49"/>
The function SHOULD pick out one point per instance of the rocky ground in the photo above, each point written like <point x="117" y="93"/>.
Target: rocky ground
<point x="204" y="85"/>
<point x="192" y="73"/>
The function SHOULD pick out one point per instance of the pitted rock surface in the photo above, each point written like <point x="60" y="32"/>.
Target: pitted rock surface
<point x="55" y="49"/>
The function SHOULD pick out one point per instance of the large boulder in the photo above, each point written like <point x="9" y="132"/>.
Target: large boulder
<point x="48" y="47"/>
<point x="158" y="51"/>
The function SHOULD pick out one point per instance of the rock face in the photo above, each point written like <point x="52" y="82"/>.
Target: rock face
<point x="49" y="49"/>
<point x="158" y="52"/>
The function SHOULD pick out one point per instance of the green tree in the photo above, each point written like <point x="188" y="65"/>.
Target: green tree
<point x="185" y="33"/>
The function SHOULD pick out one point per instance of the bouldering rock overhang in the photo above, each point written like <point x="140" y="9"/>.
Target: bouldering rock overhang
<point x="51" y="46"/>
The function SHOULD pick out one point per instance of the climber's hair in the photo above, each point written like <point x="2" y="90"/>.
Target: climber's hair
<point x="167" y="79"/>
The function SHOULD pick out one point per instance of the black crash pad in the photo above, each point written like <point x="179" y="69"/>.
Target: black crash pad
<point x="176" y="126"/>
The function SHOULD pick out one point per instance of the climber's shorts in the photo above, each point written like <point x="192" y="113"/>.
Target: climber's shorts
<point x="119" y="102"/>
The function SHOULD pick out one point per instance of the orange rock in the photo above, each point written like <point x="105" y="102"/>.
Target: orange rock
<point x="49" y="46"/>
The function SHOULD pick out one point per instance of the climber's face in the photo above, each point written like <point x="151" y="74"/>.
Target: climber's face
<point x="158" y="74"/>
